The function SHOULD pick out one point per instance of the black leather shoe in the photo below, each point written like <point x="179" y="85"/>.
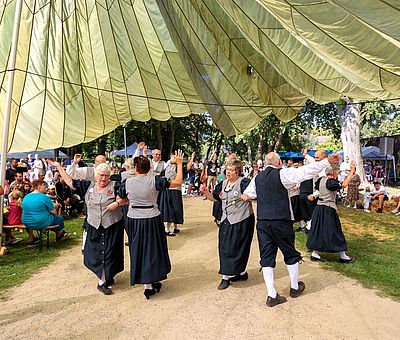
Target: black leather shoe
<point x="224" y="284"/>
<point x="272" y="302"/>
<point x="110" y="282"/>
<point x="239" y="277"/>
<point x="176" y="231"/>
<point x="170" y="233"/>
<point x="294" y="293"/>
<point x="149" y="292"/>
<point x="317" y="259"/>
<point x="104" y="289"/>
<point x="350" y="260"/>
<point x="157" y="286"/>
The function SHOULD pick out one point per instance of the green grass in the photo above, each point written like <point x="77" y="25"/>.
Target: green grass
<point x="375" y="241"/>
<point x="22" y="262"/>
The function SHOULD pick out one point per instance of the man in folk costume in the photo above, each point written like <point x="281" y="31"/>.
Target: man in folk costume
<point x="275" y="219"/>
<point x="157" y="165"/>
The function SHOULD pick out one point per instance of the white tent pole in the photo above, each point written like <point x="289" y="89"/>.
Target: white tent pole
<point x="7" y="111"/>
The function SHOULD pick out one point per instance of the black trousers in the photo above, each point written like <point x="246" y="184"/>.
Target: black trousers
<point x="273" y="235"/>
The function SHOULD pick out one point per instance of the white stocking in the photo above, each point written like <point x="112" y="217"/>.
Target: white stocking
<point x="293" y="270"/>
<point x="268" y="274"/>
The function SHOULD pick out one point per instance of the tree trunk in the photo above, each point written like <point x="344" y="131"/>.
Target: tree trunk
<point x="249" y="155"/>
<point x="172" y="137"/>
<point x="213" y="140"/>
<point x="260" y="147"/>
<point x="159" y="135"/>
<point x="101" y="146"/>
<point x="219" y="144"/>
<point x="349" y="118"/>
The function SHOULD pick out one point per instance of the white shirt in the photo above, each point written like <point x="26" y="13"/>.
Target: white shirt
<point x="381" y="189"/>
<point x="84" y="173"/>
<point x="292" y="176"/>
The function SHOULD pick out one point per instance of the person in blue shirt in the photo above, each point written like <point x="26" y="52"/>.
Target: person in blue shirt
<point x="38" y="211"/>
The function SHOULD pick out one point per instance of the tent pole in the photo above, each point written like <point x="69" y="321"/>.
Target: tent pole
<point x="125" y="149"/>
<point x="7" y="111"/>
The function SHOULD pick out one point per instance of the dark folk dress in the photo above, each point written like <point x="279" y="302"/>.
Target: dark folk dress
<point x="170" y="200"/>
<point x="104" y="246"/>
<point x="326" y="233"/>
<point x="236" y="230"/>
<point x="305" y="205"/>
<point x="147" y="241"/>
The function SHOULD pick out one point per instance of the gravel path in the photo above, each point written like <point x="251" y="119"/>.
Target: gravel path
<point x="62" y="302"/>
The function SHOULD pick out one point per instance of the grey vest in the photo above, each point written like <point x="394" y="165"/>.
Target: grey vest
<point x="170" y="173"/>
<point x="158" y="169"/>
<point x="126" y="174"/>
<point x="142" y="195"/>
<point x="96" y="204"/>
<point x="233" y="208"/>
<point x="326" y="197"/>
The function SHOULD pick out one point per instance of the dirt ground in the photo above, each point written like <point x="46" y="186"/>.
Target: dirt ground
<point x="62" y="302"/>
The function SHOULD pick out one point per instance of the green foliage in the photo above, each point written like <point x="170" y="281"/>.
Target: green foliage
<point x="378" y="119"/>
<point x="331" y="144"/>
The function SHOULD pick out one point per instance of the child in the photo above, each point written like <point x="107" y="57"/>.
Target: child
<point x="367" y="199"/>
<point x="14" y="215"/>
<point x="51" y="192"/>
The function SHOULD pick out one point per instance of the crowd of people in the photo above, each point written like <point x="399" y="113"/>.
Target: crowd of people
<point x="144" y="199"/>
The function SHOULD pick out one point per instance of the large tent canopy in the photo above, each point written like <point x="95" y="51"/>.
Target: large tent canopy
<point x="86" y="67"/>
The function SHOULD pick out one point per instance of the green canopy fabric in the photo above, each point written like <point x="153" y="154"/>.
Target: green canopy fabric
<point x="86" y="67"/>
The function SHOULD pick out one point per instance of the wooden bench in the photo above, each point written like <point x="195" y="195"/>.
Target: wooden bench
<point x="40" y="232"/>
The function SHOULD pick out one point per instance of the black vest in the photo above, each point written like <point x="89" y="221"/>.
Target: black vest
<point x="272" y="197"/>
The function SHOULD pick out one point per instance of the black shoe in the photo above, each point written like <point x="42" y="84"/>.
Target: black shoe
<point x="239" y="277"/>
<point x="157" y="286"/>
<point x="149" y="292"/>
<point x="176" y="231"/>
<point x="379" y="210"/>
<point x="127" y="244"/>
<point x="294" y="293"/>
<point x="317" y="259"/>
<point x="350" y="260"/>
<point x="110" y="282"/>
<point x="104" y="289"/>
<point x="224" y="284"/>
<point x="272" y="302"/>
<point x="170" y="233"/>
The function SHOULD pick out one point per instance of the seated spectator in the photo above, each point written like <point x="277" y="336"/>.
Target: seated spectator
<point x="51" y="192"/>
<point x="18" y="181"/>
<point x="14" y="215"/>
<point x="379" y="193"/>
<point x="367" y="199"/>
<point x="68" y="200"/>
<point x="397" y="210"/>
<point x="38" y="213"/>
<point x="26" y="188"/>
<point x="48" y="178"/>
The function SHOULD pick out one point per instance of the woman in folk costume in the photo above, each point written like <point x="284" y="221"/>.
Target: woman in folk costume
<point x="237" y="226"/>
<point x="103" y="249"/>
<point x="147" y="240"/>
<point x="170" y="201"/>
<point x="326" y="233"/>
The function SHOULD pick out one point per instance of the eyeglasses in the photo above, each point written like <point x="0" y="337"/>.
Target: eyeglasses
<point x="157" y="154"/>
<point x="101" y="175"/>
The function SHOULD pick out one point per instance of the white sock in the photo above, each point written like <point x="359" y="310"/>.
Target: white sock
<point x="226" y="277"/>
<point x="103" y="278"/>
<point x="315" y="254"/>
<point x="148" y="286"/>
<point x="268" y="274"/>
<point x="84" y="235"/>
<point x="344" y="256"/>
<point x="308" y="225"/>
<point x="242" y="273"/>
<point x="301" y="224"/>
<point x="293" y="270"/>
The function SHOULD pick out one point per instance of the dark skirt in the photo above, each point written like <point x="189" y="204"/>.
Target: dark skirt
<point x="296" y="208"/>
<point x="234" y="245"/>
<point x="171" y="206"/>
<point x="326" y="233"/>
<point x="306" y="207"/>
<point x="217" y="210"/>
<point x="148" y="250"/>
<point x="104" y="250"/>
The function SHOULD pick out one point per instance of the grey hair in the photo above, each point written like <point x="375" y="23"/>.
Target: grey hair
<point x="236" y="164"/>
<point x="272" y="158"/>
<point x="102" y="166"/>
<point x="331" y="169"/>
<point x="129" y="163"/>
